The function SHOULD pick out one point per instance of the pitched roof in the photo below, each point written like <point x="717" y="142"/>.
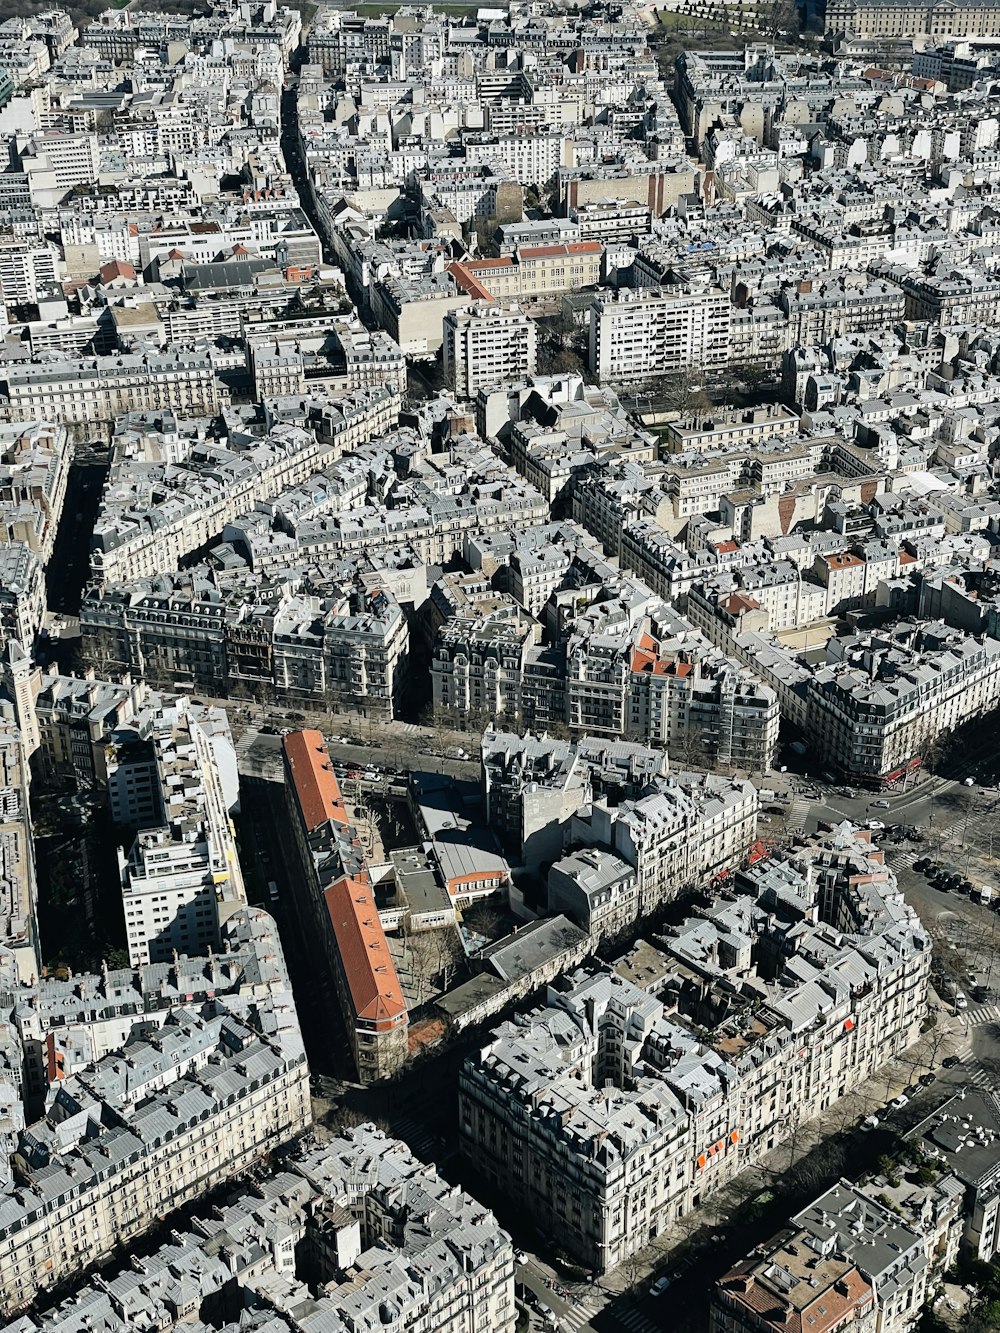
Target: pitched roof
<point x="555" y="251"/>
<point x="316" y="787"/>
<point x="117" y="268"/>
<point x="376" y="994"/>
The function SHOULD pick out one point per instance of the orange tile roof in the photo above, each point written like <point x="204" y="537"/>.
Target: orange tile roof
<point x="468" y="283"/>
<point x="740" y="601"/>
<point x="427" y="1033"/>
<point x="646" y="660"/>
<point x="775" y="1310"/>
<point x="843" y="560"/>
<point x="316" y="787"/>
<point x="376" y="994"/>
<point x="553" y="251"/>
<point x="504" y="261"/>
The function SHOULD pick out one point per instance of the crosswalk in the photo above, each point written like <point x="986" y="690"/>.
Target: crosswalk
<point x="983" y="1013"/>
<point x="981" y="1078"/>
<point x="797" y="811"/>
<point x="904" y="856"/>
<point x="636" y="1321"/>
<point x="632" y="1319"/>
<point x="578" y="1315"/>
<point x="417" y="1135"/>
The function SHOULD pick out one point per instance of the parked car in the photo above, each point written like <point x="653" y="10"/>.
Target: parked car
<point x="921" y="864"/>
<point x="950" y="1061"/>
<point x="927" y="1079"/>
<point x="912" y="1091"/>
<point x="659" y="1286"/>
<point x="875" y="825"/>
<point x="870" y="1122"/>
<point x="899" y="1102"/>
<point x="969" y="782"/>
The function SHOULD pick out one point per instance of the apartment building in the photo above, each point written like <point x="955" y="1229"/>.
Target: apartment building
<point x="168" y="1111"/>
<point x="793" y="1283"/>
<point x="359" y="1215"/>
<point x="963" y="1139"/>
<point x="639" y="334"/>
<point x="27" y="268"/>
<point x="478" y="667"/>
<point x="487" y="344"/>
<point x="660" y="681"/>
<point x="611" y="1112"/>
<point x="22" y="594"/>
<point x="18" y="887"/>
<point x="143" y="529"/>
<point x="881" y="699"/>
<point x="339" y="642"/>
<point x="534" y="785"/>
<point x="165" y="778"/>
<point x="685" y="833"/>
<point x="860" y="1256"/>
<point x="912" y="18"/>
<point x="336" y="908"/>
<point x="34" y="473"/>
<point x="594" y="888"/>
<point x="97" y="390"/>
<point x="840" y="303"/>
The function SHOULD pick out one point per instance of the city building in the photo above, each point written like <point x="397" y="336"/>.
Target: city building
<point x="642" y="334"/>
<point x="487" y="344"/>
<point x="143" y="1117"/>
<point x="171" y="775"/>
<point x="359" y="1221"/>
<point x="611" y="1112"/>
<point x="335" y="903"/>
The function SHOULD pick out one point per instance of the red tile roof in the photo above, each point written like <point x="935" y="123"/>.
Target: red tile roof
<point x="554" y="251"/>
<point x="316" y="787"/>
<point x="646" y="660"/>
<point x="468" y="283"/>
<point x="116" y="268"/>
<point x="367" y="963"/>
<point x="376" y="995"/>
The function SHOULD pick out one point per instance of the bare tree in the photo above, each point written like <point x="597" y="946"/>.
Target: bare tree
<point x="681" y="391"/>
<point x="631" y="1269"/>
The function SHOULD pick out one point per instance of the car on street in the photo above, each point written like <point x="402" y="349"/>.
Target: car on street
<point x="950" y="1061"/>
<point x="870" y="1122"/>
<point x="927" y="1079"/>
<point x="875" y="825"/>
<point x="969" y="782"/>
<point x="880" y="805"/>
<point x="960" y="1001"/>
<point x="659" y="1286"/>
<point x="899" y="1102"/>
<point x="912" y="1091"/>
<point x="921" y="864"/>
